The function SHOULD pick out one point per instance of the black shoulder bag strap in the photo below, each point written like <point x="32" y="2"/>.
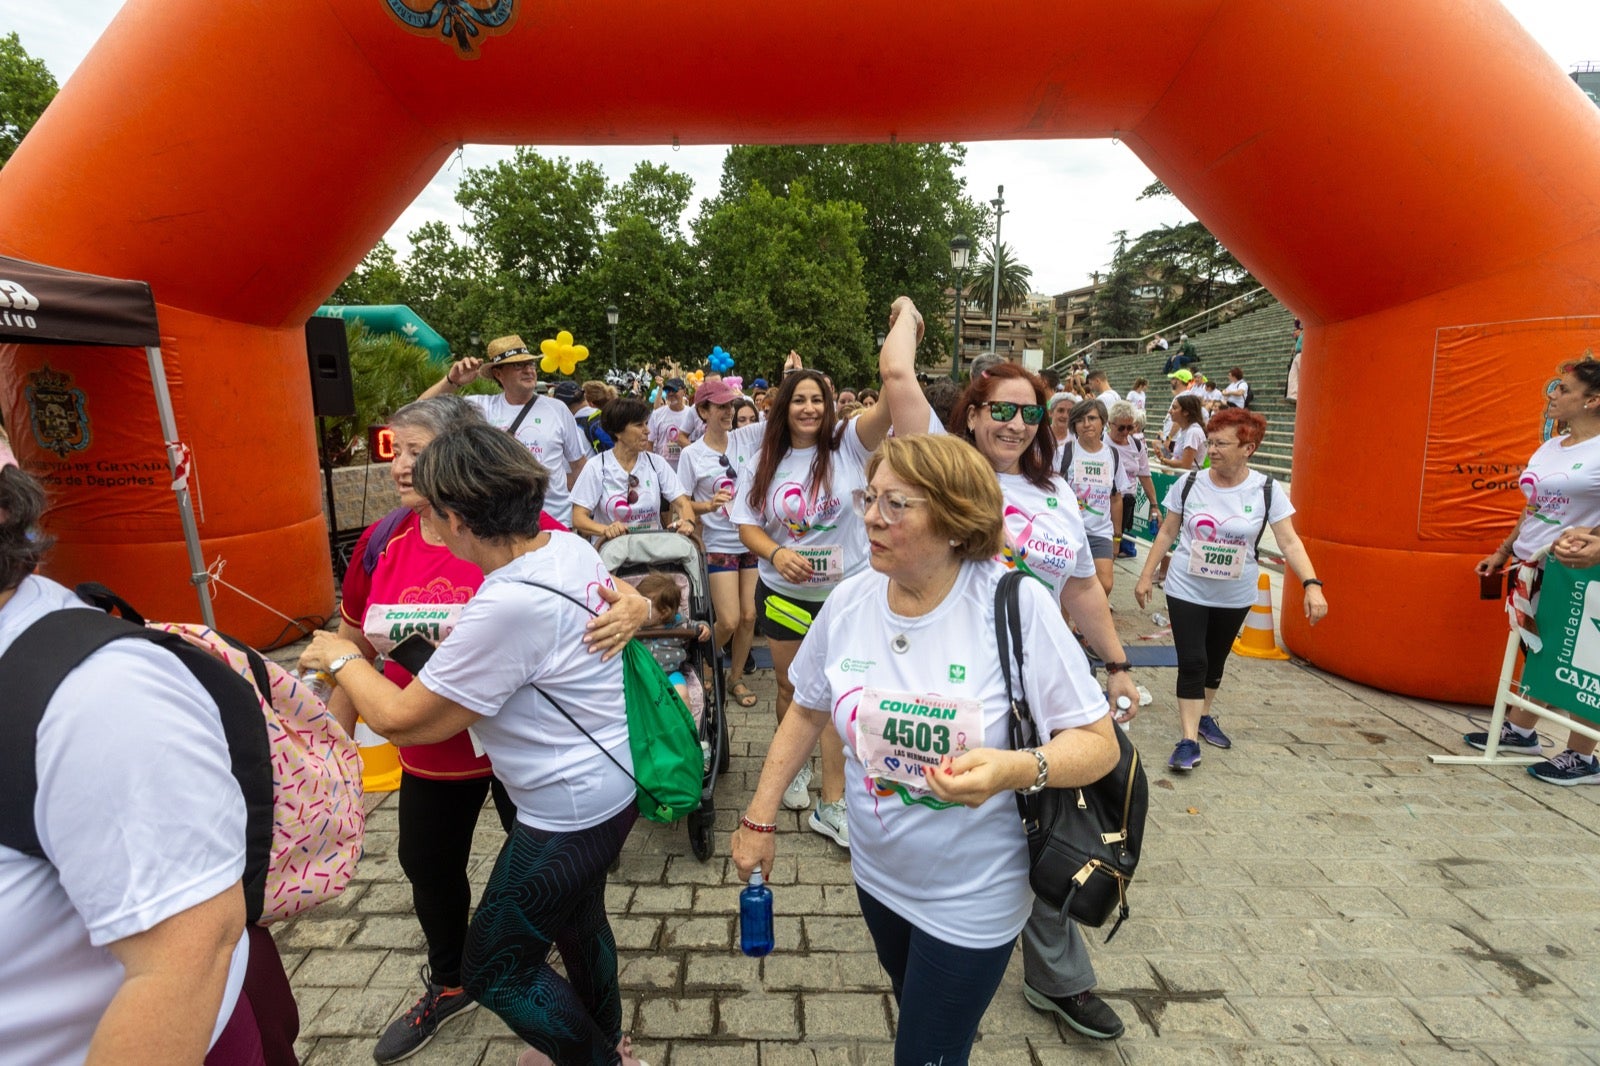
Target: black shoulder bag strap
<point x="40" y="659"/>
<point x="516" y="422"/>
<point x="1266" y="513"/>
<point x="1008" y="642"/>
<point x="1066" y="460"/>
<point x="563" y="711"/>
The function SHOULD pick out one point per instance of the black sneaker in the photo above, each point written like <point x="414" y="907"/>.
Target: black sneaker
<point x="1086" y="1012"/>
<point x="749" y="664"/>
<point x="410" y="1033"/>
<point x="1510" y="741"/>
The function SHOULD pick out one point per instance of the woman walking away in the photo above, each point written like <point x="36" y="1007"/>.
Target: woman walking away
<point x="1214" y="520"/>
<point x="550" y="716"/>
<point x="1562" y="483"/>
<point x="939" y="857"/>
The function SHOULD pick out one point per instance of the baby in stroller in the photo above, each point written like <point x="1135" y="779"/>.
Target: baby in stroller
<point x="666" y="598"/>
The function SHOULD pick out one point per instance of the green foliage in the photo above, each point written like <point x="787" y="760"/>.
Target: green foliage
<point x="386" y="374"/>
<point x="1190" y="265"/>
<point x="535" y="219"/>
<point x="1016" y="280"/>
<point x="379" y="279"/>
<point x="788" y="274"/>
<point x="26" y="89"/>
<point x="1116" y="307"/>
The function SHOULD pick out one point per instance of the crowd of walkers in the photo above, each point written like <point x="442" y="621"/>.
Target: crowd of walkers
<point x="862" y="533"/>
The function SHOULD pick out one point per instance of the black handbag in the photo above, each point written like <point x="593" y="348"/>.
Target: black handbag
<point x="1083" y="843"/>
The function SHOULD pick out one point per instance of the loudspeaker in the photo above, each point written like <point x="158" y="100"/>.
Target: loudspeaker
<point x="333" y="392"/>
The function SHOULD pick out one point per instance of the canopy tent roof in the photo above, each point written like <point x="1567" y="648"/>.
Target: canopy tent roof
<point x="48" y="305"/>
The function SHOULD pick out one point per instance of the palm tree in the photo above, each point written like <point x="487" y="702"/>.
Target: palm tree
<point x="1015" y="281"/>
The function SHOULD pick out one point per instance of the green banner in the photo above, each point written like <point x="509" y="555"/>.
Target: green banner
<point x="1565" y="672"/>
<point x="393" y="318"/>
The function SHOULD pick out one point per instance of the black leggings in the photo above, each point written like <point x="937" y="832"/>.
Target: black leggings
<point x="437" y="820"/>
<point x="1204" y="636"/>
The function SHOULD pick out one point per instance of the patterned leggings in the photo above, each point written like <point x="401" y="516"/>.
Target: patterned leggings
<point x="550" y="889"/>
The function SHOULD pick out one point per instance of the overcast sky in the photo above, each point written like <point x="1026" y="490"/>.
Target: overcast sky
<point x="1064" y="199"/>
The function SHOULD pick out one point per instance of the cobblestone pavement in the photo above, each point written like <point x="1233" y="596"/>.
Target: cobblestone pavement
<point x="1320" y="893"/>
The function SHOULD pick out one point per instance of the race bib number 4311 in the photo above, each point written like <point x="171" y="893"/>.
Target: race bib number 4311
<point x="901" y="736"/>
<point x="386" y="625"/>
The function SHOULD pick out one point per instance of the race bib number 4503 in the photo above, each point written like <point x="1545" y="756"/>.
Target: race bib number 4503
<point x="901" y="736"/>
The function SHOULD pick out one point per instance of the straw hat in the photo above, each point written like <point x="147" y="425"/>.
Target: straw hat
<point x="505" y="350"/>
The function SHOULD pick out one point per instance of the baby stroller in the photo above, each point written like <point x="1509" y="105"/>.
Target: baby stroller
<point x="631" y="557"/>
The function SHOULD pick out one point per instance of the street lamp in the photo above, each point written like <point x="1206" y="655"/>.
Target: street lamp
<point x="999" y="205"/>
<point x="882" y="337"/>
<point x="611" y="320"/>
<point x="960" y="249"/>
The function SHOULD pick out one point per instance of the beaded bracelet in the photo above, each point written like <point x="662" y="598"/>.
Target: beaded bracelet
<point x="757" y="827"/>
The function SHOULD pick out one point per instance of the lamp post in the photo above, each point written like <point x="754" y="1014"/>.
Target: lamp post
<point x="611" y="320"/>
<point x="960" y="248"/>
<point x="999" y="205"/>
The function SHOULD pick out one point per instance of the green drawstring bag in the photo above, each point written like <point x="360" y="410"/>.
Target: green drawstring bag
<point x="667" y="760"/>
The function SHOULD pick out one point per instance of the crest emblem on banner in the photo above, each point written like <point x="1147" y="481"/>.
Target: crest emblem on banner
<point x="58" y="412"/>
<point x="458" y="21"/>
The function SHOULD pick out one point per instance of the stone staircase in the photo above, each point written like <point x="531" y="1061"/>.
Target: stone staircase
<point x="1259" y="342"/>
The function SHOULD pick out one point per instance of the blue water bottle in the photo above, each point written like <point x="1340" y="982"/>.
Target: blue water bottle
<point x="755" y="918"/>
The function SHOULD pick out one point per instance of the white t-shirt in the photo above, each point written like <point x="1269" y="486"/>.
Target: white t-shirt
<point x="1095" y="478"/>
<point x="1135" y="456"/>
<point x="959" y="873"/>
<point x="511" y="637"/>
<point x="1223" y="517"/>
<point x="672" y="431"/>
<point x="702" y="472"/>
<point x="818" y="524"/>
<point x="1108" y="398"/>
<point x="141" y="819"/>
<point x="1190" y="437"/>
<point x="1236" y="392"/>
<point x="1563" y="489"/>
<point x="1044" y="532"/>
<point x="1212" y="395"/>
<point x="1136" y="398"/>
<point x="602" y="489"/>
<point x="551" y="434"/>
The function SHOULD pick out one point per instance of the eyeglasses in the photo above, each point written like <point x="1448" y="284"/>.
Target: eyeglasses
<point x="891" y="505"/>
<point x="1005" y="411"/>
<point x="1122" y="425"/>
<point x="1213" y="443"/>
<point x="633" y="489"/>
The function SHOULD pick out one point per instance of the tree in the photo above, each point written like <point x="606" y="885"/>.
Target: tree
<point x="912" y="200"/>
<point x="1015" y="281"/>
<point x="535" y="219"/>
<point x="26" y="89"/>
<point x="787" y="273"/>
<point x="1116" y="311"/>
<point x="378" y="279"/>
<point x="1192" y="268"/>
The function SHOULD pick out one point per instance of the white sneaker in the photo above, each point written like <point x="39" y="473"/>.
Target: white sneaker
<point x="797" y="797"/>
<point x="829" y="820"/>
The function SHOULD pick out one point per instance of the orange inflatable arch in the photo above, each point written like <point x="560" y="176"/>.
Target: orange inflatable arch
<point x="1415" y="179"/>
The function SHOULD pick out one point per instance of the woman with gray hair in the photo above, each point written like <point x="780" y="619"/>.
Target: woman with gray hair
<point x="403" y="580"/>
<point x="550" y="717"/>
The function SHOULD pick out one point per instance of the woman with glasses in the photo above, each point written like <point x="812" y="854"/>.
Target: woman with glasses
<point x="939" y="860"/>
<point x="1123" y="433"/>
<point x="1188" y="448"/>
<point x="628" y="488"/>
<point x="1214" y="523"/>
<point x="793" y="511"/>
<point x="1001" y="413"/>
<point x="1093" y="470"/>
<point x="709" y="469"/>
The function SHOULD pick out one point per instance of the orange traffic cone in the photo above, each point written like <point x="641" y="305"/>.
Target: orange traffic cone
<point x="1256" y="640"/>
<point x="380" y="761"/>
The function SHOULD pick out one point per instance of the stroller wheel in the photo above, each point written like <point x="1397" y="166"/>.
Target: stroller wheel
<point x="700" y="828"/>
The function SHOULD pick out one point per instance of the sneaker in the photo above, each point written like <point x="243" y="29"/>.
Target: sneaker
<point x="829" y="820"/>
<point x="1212" y="733"/>
<point x="797" y="797"/>
<point x="1186" y="756"/>
<point x="410" y="1033"/>
<point x="1086" y="1012"/>
<point x="1510" y="740"/>
<point x="1568" y="768"/>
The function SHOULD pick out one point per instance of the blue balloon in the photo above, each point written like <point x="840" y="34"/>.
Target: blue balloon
<point x="720" y="361"/>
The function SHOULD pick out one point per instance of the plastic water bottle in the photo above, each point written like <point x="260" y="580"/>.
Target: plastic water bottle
<point x="1160" y="619"/>
<point x="755" y="918"/>
<point x="1124" y="705"/>
<point x="320" y="682"/>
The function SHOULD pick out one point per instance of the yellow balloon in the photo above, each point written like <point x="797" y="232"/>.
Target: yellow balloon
<point x="564" y="339"/>
<point x="579" y="353"/>
<point x="549" y="363"/>
<point x="548" y="347"/>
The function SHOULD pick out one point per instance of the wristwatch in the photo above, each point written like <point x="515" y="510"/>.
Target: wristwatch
<point x="1044" y="773"/>
<point x="343" y="660"/>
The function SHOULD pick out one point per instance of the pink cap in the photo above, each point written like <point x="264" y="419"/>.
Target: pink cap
<point x="716" y="392"/>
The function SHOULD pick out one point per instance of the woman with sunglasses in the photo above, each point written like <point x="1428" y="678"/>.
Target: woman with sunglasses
<point x="1001" y="413"/>
<point x="709" y="469"/>
<point x="793" y="511"/>
<point x="940" y="862"/>
<point x="625" y="489"/>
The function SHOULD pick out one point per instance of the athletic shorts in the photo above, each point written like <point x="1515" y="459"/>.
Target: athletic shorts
<point x="775" y="630"/>
<point x="1099" y="547"/>
<point x="727" y="562"/>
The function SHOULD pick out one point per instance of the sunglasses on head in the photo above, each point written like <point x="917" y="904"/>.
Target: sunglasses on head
<point x="1005" y="411"/>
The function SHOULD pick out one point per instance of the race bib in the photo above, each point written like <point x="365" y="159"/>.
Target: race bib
<point x="1217" y="561"/>
<point x="901" y="736"/>
<point x="827" y="563"/>
<point x="674" y="446"/>
<point x="387" y="624"/>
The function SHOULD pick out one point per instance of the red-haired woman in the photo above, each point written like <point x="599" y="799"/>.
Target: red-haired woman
<point x="796" y="517"/>
<point x="1216" y="517"/>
